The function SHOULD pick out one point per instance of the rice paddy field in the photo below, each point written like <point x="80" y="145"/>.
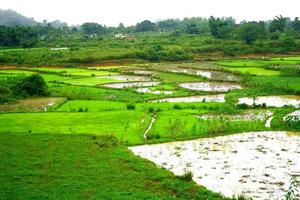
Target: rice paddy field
<point x="164" y="131"/>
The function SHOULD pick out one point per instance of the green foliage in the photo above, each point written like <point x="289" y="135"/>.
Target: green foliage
<point x="278" y="24"/>
<point x="293" y="122"/>
<point x="293" y="189"/>
<point x="145" y="26"/>
<point x="92" y="28"/>
<point x="192" y="28"/>
<point x="130" y="106"/>
<point x="221" y="28"/>
<point x="187" y="176"/>
<point x="18" y="36"/>
<point x="252" y="31"/>
<point x="177" y="106"/>
<point x="14" y="87"/>
<point x="31" y="86"/>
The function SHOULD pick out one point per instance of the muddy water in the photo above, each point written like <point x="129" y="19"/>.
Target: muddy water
<point x="148" y="90"/>
<point x="247" y="116"/>
<point x="254" y="164"/>
<point x="214" y="75"/>
<point x="132" y="84"/>
<point x="272" y="101"/>
<point x="127" y="78"/>
<point x="143" y="72"/>
<point x="210" y="86"/>
<point x="203" y="98"/>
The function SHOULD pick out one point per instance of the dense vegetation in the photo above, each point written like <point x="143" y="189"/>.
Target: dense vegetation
<point x="169" y="40"/>
<point x="21" y="87"/>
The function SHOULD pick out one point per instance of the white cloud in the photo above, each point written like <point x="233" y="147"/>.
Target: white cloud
<point x="112" y="12"/>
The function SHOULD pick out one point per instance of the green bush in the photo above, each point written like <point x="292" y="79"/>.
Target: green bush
<point x="177" y="106"/>
<point x="187" y="176"/>
<point x="16" y="87"/>
<point x="130" y="106"/>
<point x="31" y="86"/>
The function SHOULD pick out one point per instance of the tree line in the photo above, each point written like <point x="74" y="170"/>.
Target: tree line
<point x="280" y="28"/>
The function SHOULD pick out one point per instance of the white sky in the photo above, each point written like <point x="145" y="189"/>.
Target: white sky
<point x="112" y="12"/>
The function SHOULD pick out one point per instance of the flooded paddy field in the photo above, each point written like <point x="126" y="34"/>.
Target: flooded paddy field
<point x="132" y="84"/>
<point x="256" y="165"/>
<point x="210" y="74"/>
<point x="201" y="98"/>
<point x="210" y="86"/>
<point x="148" y="90"/>
<point x="249" y="115"/>
<point x="272" y="101"/>
<point x="122" y="106"/>
<point x="143" y="72"/>
<point x="128" y="78"/>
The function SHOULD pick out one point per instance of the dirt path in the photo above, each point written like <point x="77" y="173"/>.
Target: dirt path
<point x="150" y="126"/>
<point x="268" y="122"/>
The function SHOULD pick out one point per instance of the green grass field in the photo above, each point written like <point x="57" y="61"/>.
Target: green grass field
<point x="55" y="166"/>
<point x="53" y="77"/>
<point x="255" y="71"/>
<point x="97" y="106"/>
<point x="279" y="81"/>
<point x="16" y="72"/>
<point x="182" y="124"/>
<point x="91" y="106"/>
<point x="74" y="71"/>
<point x="91" y="81"/>
<point x="241" y="63"/>
<point x="92" y="93"/>
<point x="126" y="126"/>
<point x="259" y="63"/>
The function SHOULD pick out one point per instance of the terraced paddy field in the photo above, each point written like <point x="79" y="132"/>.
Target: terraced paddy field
<point x="143" y="131"/>
<point x="255" y="71"/>
<point x="74" y="71"/>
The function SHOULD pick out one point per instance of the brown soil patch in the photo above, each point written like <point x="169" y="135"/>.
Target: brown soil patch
<point x="38" y="104"/>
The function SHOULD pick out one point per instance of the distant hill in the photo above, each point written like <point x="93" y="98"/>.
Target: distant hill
<point x="58" y="24"/>
<point x="12" y="18"/>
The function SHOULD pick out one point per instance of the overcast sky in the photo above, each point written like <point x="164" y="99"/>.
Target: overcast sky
<point x="112" y="12"/>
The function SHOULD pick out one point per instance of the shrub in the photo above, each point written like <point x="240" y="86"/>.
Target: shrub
<point x="32" y="85"/>
<point x="187" y="176"/>
<point x="151" y="109"/>
<point x="177" y="106"/>
<point x="130" y="106"/>
<point x="16" y="87"/>
<point x="157" y="136"/>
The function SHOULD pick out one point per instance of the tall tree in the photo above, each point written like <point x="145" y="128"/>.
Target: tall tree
<point x="145" y="26"/>
<point x="92" y="28"/>
<point x="192" y="28"/>
<point x="296" y="24"/>
<point x="278" y="24"/>
<point x="252" y="31"/>
<point x="220" y="28"/>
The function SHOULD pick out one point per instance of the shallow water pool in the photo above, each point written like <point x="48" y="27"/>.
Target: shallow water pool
<point x="255" y="164"/>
